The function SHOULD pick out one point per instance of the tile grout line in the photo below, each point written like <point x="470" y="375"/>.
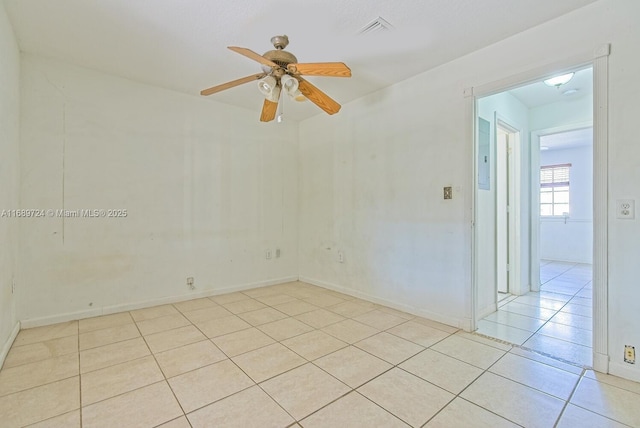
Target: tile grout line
<point x="239" y="368"/>
<point x="458" y="395"/>
<point x="573" y="391"/>
<point x="296" y="420"/>
<point x="355" y="390"/>
<point x="165" y="380"/>
<point x="571" y="297"/>
<point x="557" y="312"/>
<point x="265" y="380"/>
<point x="352" y="389"/>
<point x="312" y="362"/>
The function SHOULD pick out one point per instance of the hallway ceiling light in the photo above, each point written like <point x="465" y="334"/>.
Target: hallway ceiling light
<point x="558" y="81"/>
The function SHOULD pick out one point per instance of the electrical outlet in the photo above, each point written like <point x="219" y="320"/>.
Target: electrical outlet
<point x="277" y="253"/>
<point x="267" y="254"/>
<point x="448" y="192"/>
<point x="625" y="209"/>
<point x="190" y="282"/>
<point x="629" y="354"/>
<point x="340" y="257"/>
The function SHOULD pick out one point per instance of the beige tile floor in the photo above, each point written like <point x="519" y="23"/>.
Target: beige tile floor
<point x="293" y="355"/>
<point x="556" y="321"/>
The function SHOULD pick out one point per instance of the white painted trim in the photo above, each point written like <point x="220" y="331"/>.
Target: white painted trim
<point x="470" y="176"/>
<point x="598" y="58"/>
<point x="602" y="51"/>
<point x="514" y="174"/>
<point x="601" y="350"/>
<point x="488" y="310"/>
<point x="535" y="195"/>
<point x="534" y="75"/>
<point x="619" y="369"/>
<point x="534" y="214"/>
<point x="471" y="135"/>
<point x="564" y="128"/>
<point x="451" y="321"/>
<point x="72" y="316"/>
<point x="7" y="345"/>
<point x="562" y="220"/>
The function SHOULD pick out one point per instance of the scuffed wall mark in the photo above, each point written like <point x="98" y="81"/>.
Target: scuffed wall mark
<point x="56" y="87"/>
<point x="60" y="90"/>
<point x="80" y="269"/>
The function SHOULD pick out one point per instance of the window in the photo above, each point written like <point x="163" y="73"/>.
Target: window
<point x="554" y="190"/>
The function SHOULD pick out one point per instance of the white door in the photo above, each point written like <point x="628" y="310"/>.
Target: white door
<point x="506" y="237"/>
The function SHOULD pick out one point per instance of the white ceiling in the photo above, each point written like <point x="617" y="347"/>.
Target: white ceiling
<point x="567" y="140"/>
<point x="538" y="94"/>
<point x="181" y="44"/>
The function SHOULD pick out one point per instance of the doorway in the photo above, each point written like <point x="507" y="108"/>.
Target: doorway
<point x="524" y="314"/>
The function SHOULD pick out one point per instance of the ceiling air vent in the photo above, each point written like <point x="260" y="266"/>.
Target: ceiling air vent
<point x="377" y="25"/>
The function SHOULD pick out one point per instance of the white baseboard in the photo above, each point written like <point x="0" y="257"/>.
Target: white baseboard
<point x="600" y="362"/>
<point x="491" y="308"/>
<point x="106" y="310"/>
<point x="625" y="370"/>
<point x="7" y="345"/>
<point x="462" y="323"/>
<point x="465" y="324"/>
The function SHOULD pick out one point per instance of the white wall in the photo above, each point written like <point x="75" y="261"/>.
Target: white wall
<point x="207" y="189"/>
<point x="571" y="240"/>
<point x="510" y="109"/>
<point x="9" y="177"/>
<point x="624" y="183"/>
<point x="371" y="177"/>
<point x="371" y="186"/>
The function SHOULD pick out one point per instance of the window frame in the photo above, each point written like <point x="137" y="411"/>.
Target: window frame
<point x="563" y="181"/>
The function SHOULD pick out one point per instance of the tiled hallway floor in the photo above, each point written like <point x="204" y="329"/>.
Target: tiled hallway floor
<point x="293" y="355"/>
<point x="556" y="321"/>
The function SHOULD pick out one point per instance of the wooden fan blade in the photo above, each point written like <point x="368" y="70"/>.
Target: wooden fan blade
<point x="269" y="109"/>
<point x="254" y="56"/>
<point x="318" y="97"/>
<point x="329" y="69"/>
<point x="233" y="83"/>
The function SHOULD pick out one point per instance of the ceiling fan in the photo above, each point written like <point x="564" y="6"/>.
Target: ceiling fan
<point x="281" y="70"/>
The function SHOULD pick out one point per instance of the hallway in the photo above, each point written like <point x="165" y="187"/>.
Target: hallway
<point x="557" y="321"/>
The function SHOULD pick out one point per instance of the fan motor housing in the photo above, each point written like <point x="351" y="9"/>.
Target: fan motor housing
<point x="280" y="57"/>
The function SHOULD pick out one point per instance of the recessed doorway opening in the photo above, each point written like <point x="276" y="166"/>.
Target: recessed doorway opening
<point x="534" y="238"/>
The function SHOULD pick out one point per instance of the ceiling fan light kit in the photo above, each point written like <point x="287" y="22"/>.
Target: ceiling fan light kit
<point x="281" y="70"/>
<point x="269" y="88"/>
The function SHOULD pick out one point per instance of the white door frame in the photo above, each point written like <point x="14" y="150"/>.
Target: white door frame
<point x="514" y="177"/>
<point x="535" y="195"/>
<point x="599" y="59"/>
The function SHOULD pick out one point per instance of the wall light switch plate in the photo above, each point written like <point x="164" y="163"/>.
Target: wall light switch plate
<point x="448" y="192"/>
<point x="626" y="209"/>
